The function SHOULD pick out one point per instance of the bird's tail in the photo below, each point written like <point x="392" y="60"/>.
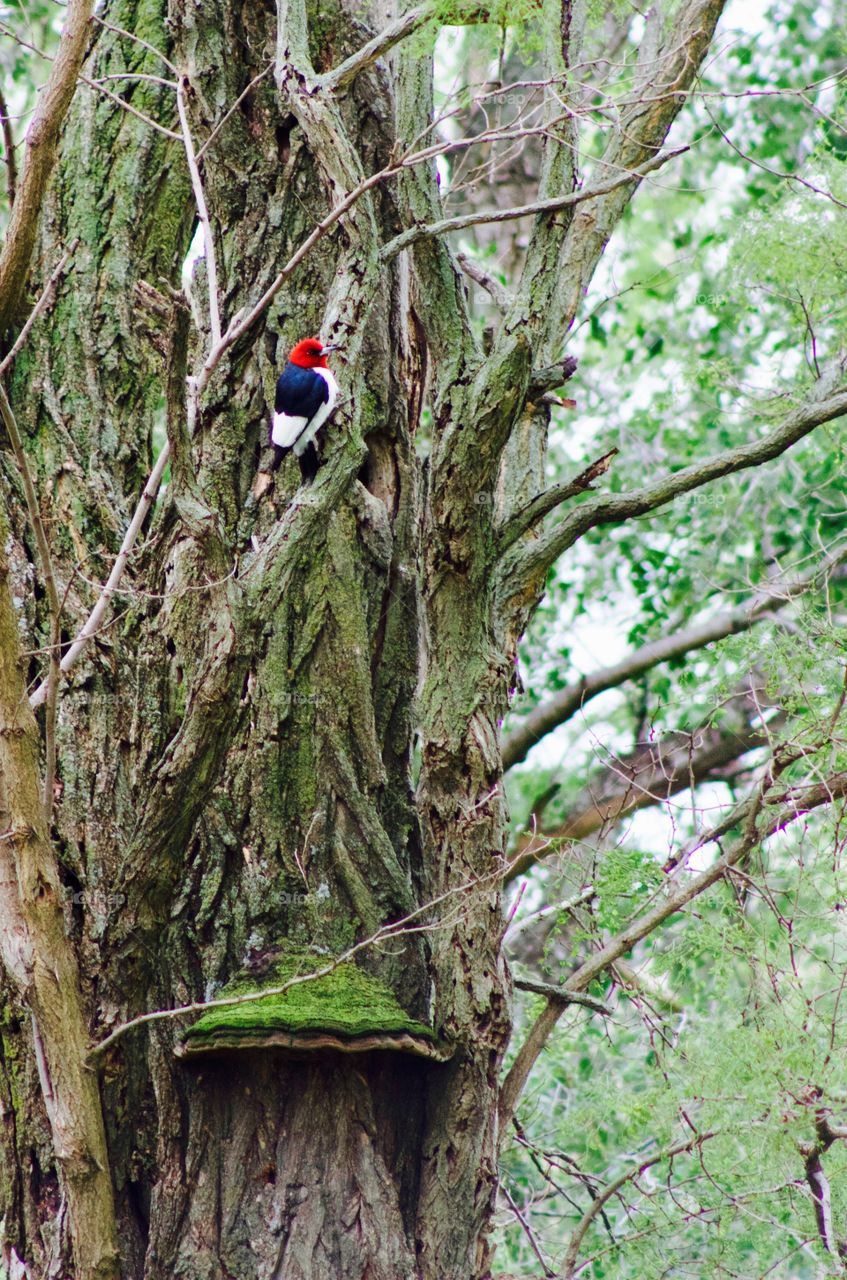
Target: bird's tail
<point x="309" y="462"/>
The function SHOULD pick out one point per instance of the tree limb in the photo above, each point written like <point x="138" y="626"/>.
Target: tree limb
<point x="564" y="704"/>
<point x="92" y="623"/>
<point x="345" y="73"/>
<point x="41" y="151"/>
<point x="525" y="519"/>
<point x="554" y="204"/>
<point x="38" y="955"/>
<point x="658" y="96"/>
<point x="552" y="376"/>
<point x="650" y="775"/>
<point x="569" y="1264"/>
<point x="566" y="997"/>
<point x="532" y="560"/>
<point x="499" y="293"/>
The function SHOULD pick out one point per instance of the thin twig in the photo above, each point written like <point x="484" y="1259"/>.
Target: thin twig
<point x="611" y="1189"/>
<point x="528" y="1232"/>
<point x="133" y="111"/>
<point x="92" y="623"/>
<point x="553" y="205"/>
<point x="41" y="304"/>
<point x="395" y="928"/>
<point x="238" y="101"/>
<point x="202" y="213"/>
<point x="145" y="44"/>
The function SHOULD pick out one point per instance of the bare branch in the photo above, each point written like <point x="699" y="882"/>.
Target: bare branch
<point x="532" y="560"/>
<point x="775" y="173"/>
<point x="552" y="205"/>
<point x="202" y="213"/>
<point x="658" y="96"/>
<point x="41" y="150"/>
<point x="344" y="74"/>
<point x="566" y="997"/>
<point x="92" y="623"/>
<point x="139" y="40"/>
<point x="257" y="79"/>
<point x="43" y="302"/>
<point x="648" y="776"/>
<point x="529" y="516"/>
<point x="569" y="1265"/>
<point x="98" y="85"/>
<point x="530" y="1235"/>
<point x="130" y="109"/>
<point x="498" y="292"/>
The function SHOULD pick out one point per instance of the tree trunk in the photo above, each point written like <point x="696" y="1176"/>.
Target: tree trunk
<point x="236" y="760"/>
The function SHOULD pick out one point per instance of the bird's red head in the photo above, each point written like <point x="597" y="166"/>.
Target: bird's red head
<point x="311" y="353"/>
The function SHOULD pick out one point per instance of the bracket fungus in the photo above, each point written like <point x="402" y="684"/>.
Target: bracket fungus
<point x="345" y="1011"/>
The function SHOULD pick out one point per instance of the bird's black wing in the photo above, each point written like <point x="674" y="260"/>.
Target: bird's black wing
<point x="302" y="388"/>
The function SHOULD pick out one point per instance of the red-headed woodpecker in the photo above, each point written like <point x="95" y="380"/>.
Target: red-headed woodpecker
<point x="305" y="397"/>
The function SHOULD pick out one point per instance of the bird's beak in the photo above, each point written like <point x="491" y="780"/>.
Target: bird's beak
<point x="331" y="346"/>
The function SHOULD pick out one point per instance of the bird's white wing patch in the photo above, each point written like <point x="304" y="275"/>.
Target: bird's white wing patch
<point x="322" y="414"/>
<point x="286" y="428"/>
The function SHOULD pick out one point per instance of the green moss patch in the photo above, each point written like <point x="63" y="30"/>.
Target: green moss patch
<point x="347" y="1010"/>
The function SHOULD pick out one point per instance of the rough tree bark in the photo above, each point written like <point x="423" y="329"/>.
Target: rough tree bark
<point x="237" y="746"/>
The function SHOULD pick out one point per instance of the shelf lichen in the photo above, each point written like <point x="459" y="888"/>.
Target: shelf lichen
<point x="346" y="1009"/>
